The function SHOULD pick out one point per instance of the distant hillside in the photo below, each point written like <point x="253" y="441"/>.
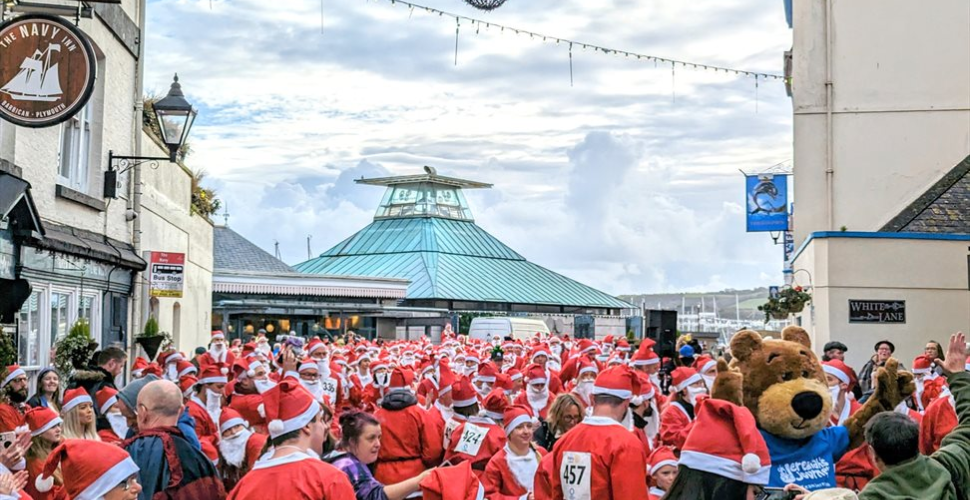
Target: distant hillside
<point x="747" y="300"/>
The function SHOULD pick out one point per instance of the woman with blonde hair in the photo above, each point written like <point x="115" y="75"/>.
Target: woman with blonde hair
<point x="566" y="411"/>
<point x="77" y="410"/>
<point x="45" y="432"/>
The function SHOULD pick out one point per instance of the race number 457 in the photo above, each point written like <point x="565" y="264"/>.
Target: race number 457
<point x="575" y="472"/>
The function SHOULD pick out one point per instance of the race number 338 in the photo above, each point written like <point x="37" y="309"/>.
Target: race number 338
<point x="575" y="472"/>
<point x="472" y="437"/>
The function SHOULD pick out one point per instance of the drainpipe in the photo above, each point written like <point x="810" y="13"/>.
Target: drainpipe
<point x="135" y="184"/>
<point x="829" y="135"/>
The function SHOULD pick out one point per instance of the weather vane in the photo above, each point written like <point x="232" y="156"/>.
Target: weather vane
<point x="485" y="4"/>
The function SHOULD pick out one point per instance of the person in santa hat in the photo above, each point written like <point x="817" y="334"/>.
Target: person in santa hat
<point x="97" y="471"/>
<point x="205" y="405"/>
<point x="706" y="367"/>
<point x="566" y="411"/>
<point x="939" y="420"/>
<point x="168" y="361"/>
<point x="854" y="469"/>
<point x="77" y="410"/>
<point x="218" y="351"/>
<point x="330" y="383"/>
<point x="441" y="411"/>
<point x="112" y="425"/>
<point x="585" y="379"/>
<point x="138" y="367"/>
<point x="374" y="392"/>
<point x="599" y="458"/>
<point x="246" y="397"/>
<point x="677" y="419"/>
<point x="410" y="443"/>
<point x="510" y="474"/>
<point x="485" y="378"/>
<point x="428" y="385"/>
<point x="537" y="394"/>
<point x="541" y="357"/>
<point x="662" y="469"/>
<point x="293" y="470"/>
<point x="725" y="457"/>
<point x="14" y="396"/>
<point x="475" y="439"/>
<point x="239" y="447"/>
<point x="46" y="433"/>
<point x="643" y="417"/>
<point x="646" y="361"/>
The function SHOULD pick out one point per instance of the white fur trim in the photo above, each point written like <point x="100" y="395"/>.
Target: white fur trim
<point x="76" y="401"/>
<point x="645" y="362"/>
<point x="294" y="423"/>
<point x="723" y="467"/>
<point x="661" y="464"/>
<point x="925" y="370"/>
<point x="261" y="409"/>
<point x="517" y="421"/>
<point x="707" y="366"/>
<point x="538" y="380"/>
<point x="690" y="380"/>
<point x="54" y="421"/>
<point x="589" y="369"/>
<point x="750" y="463"/>
<point x="620" y="393"/>
<point x="275" y="427"/>
<point x="116" y="475"/>
<point x="465" y="402"/>
<point x="12" y="375"/>
<point x="517" y="376"/>
<point x="497" y="417"/>
<point x="489" y="379"/>
<point x="213" y="380"/>
<point x="108" y="404"/>
<point x="835" y="372"/>
<point x="232" y="422"/>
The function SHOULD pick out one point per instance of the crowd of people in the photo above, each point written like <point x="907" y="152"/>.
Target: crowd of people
<point x="498" y="419"/>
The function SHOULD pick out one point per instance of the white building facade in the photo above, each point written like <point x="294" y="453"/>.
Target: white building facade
<point x="881" y="96"/>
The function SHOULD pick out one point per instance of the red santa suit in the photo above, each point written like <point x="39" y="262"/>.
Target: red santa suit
<point x="11" y="416"/>
<point x="543" y="480"/>
<point x="675" y="424"/>
<point x="35" y="468"/>
<point x="109" y="436"/>
<point x="205" y="428"/>
<point x="476" y="440"/>
<point x="854" y="470"/>
<point x="249" y="406"/>
<point x="207" y="359"/>
<point x="522" y="399"/>
<point x="291" y="477"/>
<point x="940" y="418"/>
<point x="509" y="477"/>
<point x="599" y="459"/>
<point x="409" y="442"/>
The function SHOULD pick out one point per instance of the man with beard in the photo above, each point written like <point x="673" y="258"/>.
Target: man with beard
<point x="643" y="417"/>
<point x="584" y="381"/>
<point x="245" y="396"/>
<point x="110" y="363"/>
<point x="536" y="395"/>
<point x="14" y="402"/>
<point x="329" y="382"/>
<point x="205" y="405"/>
<point x="441" y="412"/>
<point x="218" y="351"/>
<point x="239" y="447"/>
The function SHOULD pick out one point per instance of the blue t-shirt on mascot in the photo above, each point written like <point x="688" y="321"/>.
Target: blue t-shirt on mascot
<point x="808" y="463"/>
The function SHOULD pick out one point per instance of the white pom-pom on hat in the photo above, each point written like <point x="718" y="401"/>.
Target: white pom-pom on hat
<point x="750" y="463"/>
<point x="251" y="373"/>
<point x="225" y="371"/>
<point x="43" y="484"/>
<point x="276" y="427"/>
<point x="261" y="410"/>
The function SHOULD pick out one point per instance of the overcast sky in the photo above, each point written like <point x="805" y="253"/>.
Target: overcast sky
<point x="627" y="181"/>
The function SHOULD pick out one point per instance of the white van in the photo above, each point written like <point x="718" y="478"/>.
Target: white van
<point x="486" y="328"/>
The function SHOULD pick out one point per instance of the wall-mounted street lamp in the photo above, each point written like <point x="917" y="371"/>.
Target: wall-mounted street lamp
<point x="174" y="116"/>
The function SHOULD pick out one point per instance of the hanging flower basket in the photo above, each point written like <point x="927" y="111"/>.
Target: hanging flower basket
<point x="788" y="301"/>
<point x="779" y="315"/>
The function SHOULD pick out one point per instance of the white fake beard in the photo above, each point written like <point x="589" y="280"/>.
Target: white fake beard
<point x="655" y="380"/>
<point x="213" y="404"/>
<point x="557" y="350"/>
<point x="314" y="387"/>
<point x="323" y="366"/>
<point x="172" y="373"/>
<point x="233" y="449"/>
<point x="585" y="389"/>
<point x="523" y="468"/>
<point x="693" y="393"/>
<point x="263" y="385"/>
<point x="382" y="379"/>
<point x="484" y="389"/>
<point x="708" y="381"/>
<point x="119" y="424"/>
<point x="628" y="420"/>
<point x="537" y="400"/>
<point x="218" y="354"/>
<point x="264" y="348"/>
<point x="553" y="366"/>
<point x="407" y="362"/>
<point x="653" y="422"/>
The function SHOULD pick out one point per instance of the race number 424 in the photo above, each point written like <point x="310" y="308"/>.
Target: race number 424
<point x="575" y="473"/>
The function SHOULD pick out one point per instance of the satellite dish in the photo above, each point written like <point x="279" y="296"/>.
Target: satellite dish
<point x="430" y="170"/>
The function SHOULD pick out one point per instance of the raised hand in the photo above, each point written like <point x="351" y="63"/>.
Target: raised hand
<point x="956" y="354"/>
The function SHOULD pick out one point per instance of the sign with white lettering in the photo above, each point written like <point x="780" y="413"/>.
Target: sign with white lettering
<point x="47" y="70"/>
<point x="166" y="274"/>
<point x="877" y="311"/>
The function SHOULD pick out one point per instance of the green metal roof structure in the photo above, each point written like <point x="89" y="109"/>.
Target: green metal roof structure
<point x="423" y="231"/>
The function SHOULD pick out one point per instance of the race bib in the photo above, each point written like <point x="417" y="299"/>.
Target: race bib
<point x="329" y="389"/>
<point x="575" y="472"/>
<point x="450" y="427"/>
<point x="471" y="439"/>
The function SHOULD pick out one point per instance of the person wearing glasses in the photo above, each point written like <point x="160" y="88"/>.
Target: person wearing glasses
<point x="566" y="411"/>
<point x="170" y="464"/>
<point x="13" y="397"/>
<point x="96" y="470"/>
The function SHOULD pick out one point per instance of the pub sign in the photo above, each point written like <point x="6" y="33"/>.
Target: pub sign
<point x="877" y="311"/>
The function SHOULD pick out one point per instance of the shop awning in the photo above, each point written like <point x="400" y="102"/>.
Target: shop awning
<point x="71" y="240"/>
<point x="15" y="292"/>
<point x="17" y="206"/>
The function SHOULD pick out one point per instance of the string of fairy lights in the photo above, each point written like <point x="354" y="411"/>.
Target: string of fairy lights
<point x="674" y="64"/>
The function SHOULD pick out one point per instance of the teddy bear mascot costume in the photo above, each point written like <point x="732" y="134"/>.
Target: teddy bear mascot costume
<point x="784" y="386"/>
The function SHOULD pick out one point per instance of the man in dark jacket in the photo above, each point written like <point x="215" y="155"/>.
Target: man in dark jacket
<point x="171" y="467"/>
<point x="107" y="365"/>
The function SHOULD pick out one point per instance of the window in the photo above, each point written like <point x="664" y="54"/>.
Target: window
<point x="60" y="322"/>
<point x="28" y="343"/>
<point x="75" y="155"/>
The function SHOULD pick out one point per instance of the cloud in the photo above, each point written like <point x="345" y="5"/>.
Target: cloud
<point x="627" y="180"/>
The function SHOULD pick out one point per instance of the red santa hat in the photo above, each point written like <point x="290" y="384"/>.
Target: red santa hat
<point x="288" y="407"/>
<point x="502" y="381"/>
<point x="681" y="377"/>
<point x="463" y="393"/>
<point x="494" y="404"/>
<point x="838" y="370"/>
<point x="473" y="356"/>
<point x="184" y="368"/>
<point x="95" y="468"/>
<point x="647" y="390"/>
<point x="730" y="446"/>
<point x="660" y="458"/>
<point x="74" y="397"/>
<point x="315" y="345"/>
<point x="401" y="379"/>
<point x="41" y="419"/>
<point x="535" y="374"/>
<point x="514" y="374"/>
<point x="230" y="418"/>
<point x="169" y="357"/>
<point x="139" y="366"/>
<point x="106" y="398"/>
<point x="452" y="483"/>
<point x="922" y="364"/>
<point x="13" y="371"/>
<point x="446" y="377"/>
<point x="380" y="364"/>
<point x="704" y="363"/>
<point x="186" y="384"/>
<point x="308" y="364"/>
<point x="487" y="372"/>
<point x="618" y="381"/>
<point x="586" y="366"/>
<point x="585" y="345"/>
<point x="539" y="351"/>
<point x="152" y="369"/>
<point x="623" y="346"/>
<point x="515" y="416"/>
<point x="214" y="373"/>
<point x="217" y="335"/>
<point x="645" y="355"/>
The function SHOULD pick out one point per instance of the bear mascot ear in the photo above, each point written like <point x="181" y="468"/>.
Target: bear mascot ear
<point x="796" y="334"/>
<point x="744" y="344"/>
